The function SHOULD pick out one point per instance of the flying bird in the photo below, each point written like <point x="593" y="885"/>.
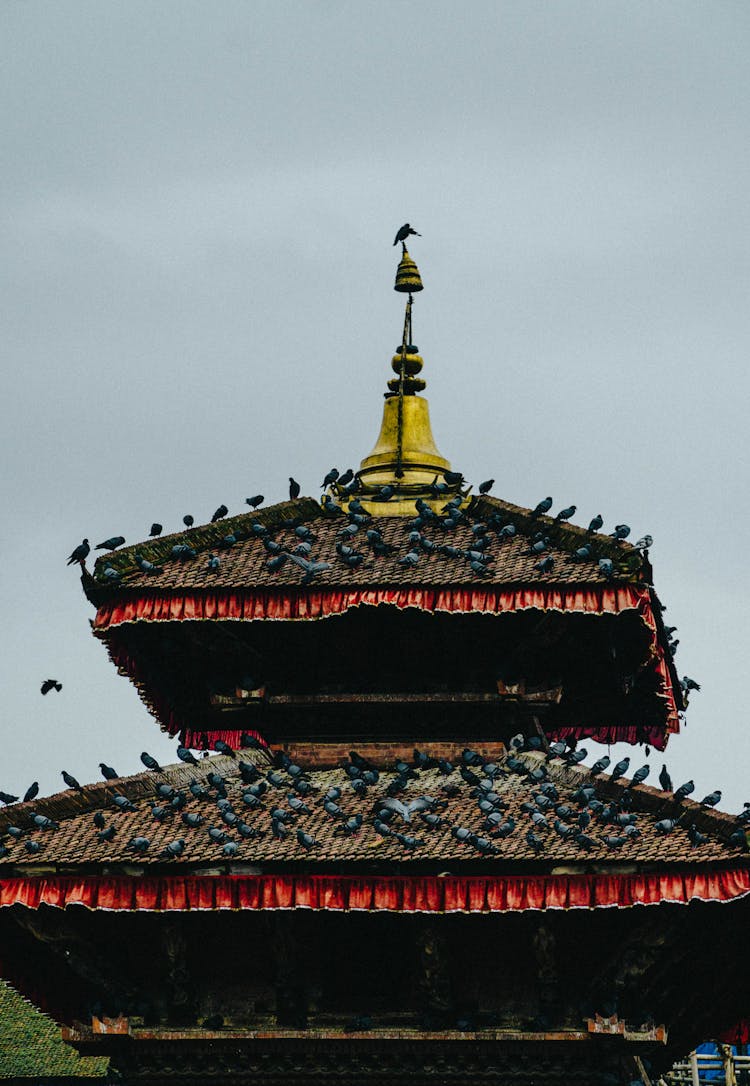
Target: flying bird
<point x="80" y="553"/>
<point x="51" y="684"/>
<point x="404" y="232"/>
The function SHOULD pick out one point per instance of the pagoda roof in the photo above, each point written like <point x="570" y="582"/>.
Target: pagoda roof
<point x="244" y="563"/>
<point x="74" y="845"/>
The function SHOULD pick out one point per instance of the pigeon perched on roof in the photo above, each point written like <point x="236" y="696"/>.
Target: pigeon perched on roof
<point x="644" y="543"/>
<point x="712" y="799"/>
<point x="219" y="514"/>
<point x="111" y="544"/>
<point x="108" y="772"/>
<point x="188" y="520"/>
<point x="294" y="489"/>
<point x="80" y="553"/>
<point x="186" y="756"/>
<point x="147" y="567"/>
<point x="607" y="568"/>
<point x="620" y="769"/>
<point x="541" y="507"/>
<point x="51" y="684"/>
<point x="600" y="765"/>
<point x="31" y="792"/>
<point x="595" y="523"/>
<point x="150" y="762"/>
<point x="684" y="791"/>
<point x="622" y="531"/>
<point x="330" y="478"/>
<point x="665" y="780"/>
<point x="689" y="684"/>
<point x="640" y="775"/>
<point x="567" y="513"/>
<point x="156" y="529"/>
<point x="213" y="563"/>
<point x="404" y="232"/>
<point x="486" y="486"/>
<point x="546" y="564"/>
<point x="255" y="501"/>
<point x="71" y="781"/>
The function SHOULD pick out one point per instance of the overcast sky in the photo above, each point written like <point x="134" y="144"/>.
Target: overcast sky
<point x="197" y="204"/>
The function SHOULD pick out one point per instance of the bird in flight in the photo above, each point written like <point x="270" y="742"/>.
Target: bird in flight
<point x="51" y="684"/>
<point x="404" y="233"/>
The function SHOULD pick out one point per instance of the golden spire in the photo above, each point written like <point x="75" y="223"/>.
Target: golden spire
<point x="405" y="458"/>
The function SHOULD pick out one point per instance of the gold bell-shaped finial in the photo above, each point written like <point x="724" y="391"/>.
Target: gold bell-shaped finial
<point x="408" y="280"/>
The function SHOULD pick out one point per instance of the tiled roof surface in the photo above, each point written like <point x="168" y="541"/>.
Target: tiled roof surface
<point x="75" y="841"/>
<point x="245" y="563"/>
<point x="31" y="1046"/>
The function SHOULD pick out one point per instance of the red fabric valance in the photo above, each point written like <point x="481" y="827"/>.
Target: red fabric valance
<point x="399" y="893"/>
<point x="285" y="603"/>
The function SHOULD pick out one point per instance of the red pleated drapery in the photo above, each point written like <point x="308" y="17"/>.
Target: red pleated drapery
<point x="290" y="604"/>
<point x="397" y="893"/>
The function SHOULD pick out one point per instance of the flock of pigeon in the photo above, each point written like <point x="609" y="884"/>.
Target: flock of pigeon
<point x="421" y="528"/>
<point x="276" y="801"/>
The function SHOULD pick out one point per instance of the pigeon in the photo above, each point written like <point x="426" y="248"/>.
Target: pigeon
<point x="622" y="531"/>
<point x="546" y="564"/>
<point x="145" y="566"/>
<point x="689" y="684"/>
<point x="111" y="544"/>
<point x="312" y="569"/>
<point x="51" y="684"/>
<point x="486" y="486"/>
<point x="188" y="521"/>
<point x="255" y="501"/>
<point x="106" y="834"/>
<point x="122" y="803"/>
<point x="665" y="780"/>
<point x="640" y="775"/>
<point x="696" y="838"/>
<point x="112" y="575"/>
<point x="182" y="551"/>
<point x="684" y="791"/>
<point x="708" y="801"/>
<point x="543" y="506"/>
<point x="294" y="489"/>
<point x="186" y="756"/>
<point x="567" y="513"/>
<point x="224" y="748"/>
<point x="607" y="568"/>
<point x="582" y="553"/>
<point x="330" y="478"/>
<point x="80" y="553"/>
<point x="150" y="763"/>
<point x="174" y="849"/>
<point x="539" y="546"/>
<point x="139" y="844"/>
<point x="596" y="523"/>
<point x="306" y="840"/>
<point x="213" y="563"/>
<point x="536" y="842"/>
<point x="665" y="826"/>
<point x="384" y="494"/>
<point x="600" y="765"/>
<point x="156" y="529"/>
<point x="108" y="772"/>
<point x="405" y="810"/>
<point x="403" y="233"/>
<point x="99" y="820"/>
<point x="620" y="770"/>
<point x="644" y="543"/>
<point x="219" y="514"/>
<point x="71" y="781"/>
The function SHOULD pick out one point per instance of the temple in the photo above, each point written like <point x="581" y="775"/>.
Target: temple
<point x="381" y="857"/>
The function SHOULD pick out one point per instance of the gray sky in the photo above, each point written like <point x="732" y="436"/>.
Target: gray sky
<point x="197" y="204"/>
